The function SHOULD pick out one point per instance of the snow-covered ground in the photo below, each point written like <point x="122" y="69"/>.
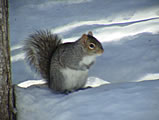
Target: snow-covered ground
<point x="127" y="29"/>
<point x="129" y="32"/>
<point x="126" y="101"/>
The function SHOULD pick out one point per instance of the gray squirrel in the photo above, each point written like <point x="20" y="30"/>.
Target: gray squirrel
<point x="64" y="65"/>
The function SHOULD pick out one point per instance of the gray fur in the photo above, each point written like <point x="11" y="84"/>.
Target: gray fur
<point x="39" y="48"/>
<point x="67" y="56"/>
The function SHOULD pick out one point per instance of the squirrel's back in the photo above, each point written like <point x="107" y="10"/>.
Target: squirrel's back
<point x="39" y="48"/>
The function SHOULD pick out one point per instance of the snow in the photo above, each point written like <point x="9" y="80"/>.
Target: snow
<point x="126" y="101"/>
<point x="125" y="79"/>
<point x="127" y="29"/>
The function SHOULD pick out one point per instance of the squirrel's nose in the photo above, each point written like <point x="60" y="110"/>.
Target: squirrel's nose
<point x="101" y="51"/>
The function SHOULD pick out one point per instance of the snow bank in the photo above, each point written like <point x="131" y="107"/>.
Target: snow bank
<point x="127" y="101"/>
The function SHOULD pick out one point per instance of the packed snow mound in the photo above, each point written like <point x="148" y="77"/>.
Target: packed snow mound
<point x="126" y="101"/>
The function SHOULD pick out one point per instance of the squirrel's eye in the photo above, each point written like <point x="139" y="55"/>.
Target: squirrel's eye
<point x="91" y="45"/>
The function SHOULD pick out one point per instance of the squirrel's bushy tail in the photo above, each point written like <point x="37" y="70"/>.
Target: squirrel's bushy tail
<point x="39" y="48"/>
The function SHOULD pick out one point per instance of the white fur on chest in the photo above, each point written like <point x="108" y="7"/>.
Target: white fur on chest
<point x="74" y="78"/>
<point x="88" y="60"/>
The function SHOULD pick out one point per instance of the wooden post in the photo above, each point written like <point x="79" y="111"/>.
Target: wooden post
<point x="5" y="65"/>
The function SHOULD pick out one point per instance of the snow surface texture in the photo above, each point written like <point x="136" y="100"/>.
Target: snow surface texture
<point x="126" y="101"/>
<point x="127" y="29"/>
<point x="129" y="33"/>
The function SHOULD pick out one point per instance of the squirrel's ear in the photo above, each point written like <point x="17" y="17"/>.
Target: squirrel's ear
<point x="84" y="38"/>
<point x="90" y="33"/>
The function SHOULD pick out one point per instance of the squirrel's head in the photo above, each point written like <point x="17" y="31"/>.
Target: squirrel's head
<point x="91" y="44"/>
